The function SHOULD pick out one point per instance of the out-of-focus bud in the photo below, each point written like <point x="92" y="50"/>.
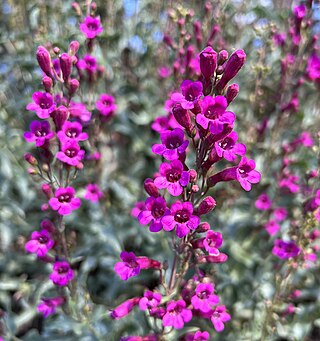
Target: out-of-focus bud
<point x="151" y="188"/>
<point x="93" y="6"/>
<point x="48" y="225"/>
<point x="203" y="227"/>
<point x="44" y="60"/>
<point x="44" y="207"/>
<point x="168" y="40"/>
<point x="80" y="166"/>
<point x="47" y="83"/>
<point x="31" y="159"/>
<point x="66" y="66"/>
<point x="56" y="50"/>
<point x="76" y="8"/>
<point x="46" y="189"/>
<point x="193" y="175"/>
<point x="59" y="116"/>
<point x="232" y="92"/>
<point x="215" y="29"/>
<point x="190" y="52"/>
<point x="73" y="47"/>
<point x="234" y="64"/>
<point x="182" y="116"/>
<point x="222" y="57"/>
<point x="73" y="86"/>
<point x="206" y="206"/>
<point x="208" y="62"/>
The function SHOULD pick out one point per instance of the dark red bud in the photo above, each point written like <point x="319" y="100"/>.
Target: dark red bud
<point x="151" y="188"/>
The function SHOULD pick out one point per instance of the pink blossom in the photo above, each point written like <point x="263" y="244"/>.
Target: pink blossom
<point x="149" y="300"/>
<point x="280" y="213"/>
<point x="71" y="131"/>
<point x="70" y="153"/>
<point x="79" y="111"/>
<point x="40" y="243"/>
<point x="313" y="68"/>
<point x="93" y="193"/>
<point x="191" y="93"/>
<point x="91" y="27"/>
<point x="88" y="63"/>
<point x="219" y="317"/>
<point x="264" y="202"/>
<point x="284" y="249"/>
<point x="106" y="105"/>
<point x="176" y="314"/>
<point x="204" y="298"/>
<point x="228" y="148"/>
<point x="272" y="227"/>
<point x="42" y="104"/>
<point x="124" y="308"/>
<point x="64" y="201"/>
<point x="39" y="133"/>
<point x="138" y="207"/>
<point x="212" y="242"/>
<point x="49" y="305"/>
<point x="62" y="273"/>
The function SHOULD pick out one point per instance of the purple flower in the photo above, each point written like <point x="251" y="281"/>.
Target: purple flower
<point x="191" y="93"/>
<point x="40" y="133"/>
<point x="228" y="148"/>
<point x="129" y="267"/>
<point x="40" y="243"/>
<point x="218" y="317"/>
<point x="313" y="68"/>
<point x="204" y="298"/>
<point x="246" y="174"/>
<point x="201" y="336"/>
<point x="155" y="209"/>
<point x="182" y="218"/>
<point x="42" y="104"/>
<point x="70" y="153"/>
<point x="93" y="193"/>
<point x="150" y="300"/>
<point x="289" y="181"/>
<point x="71" y="131"/>
<point x="124" y="308"/>
<point x="91" y="27"/>
<point x="263" y="203"/>
<point x="279" y="39"/>
<point x="49" y="305"/>
<point x="79" y="110"/>
<point x="64" y="201"/>
<point x="272" y="227"/>
<point x="88" y="63"/>
<point x="214" y="114"/>
<point x="173" y="177"/>
<point x="280" y="213"/>
<point x="212" y="242"/>
<point x="106" y="105"/>
<point x="138" y="207"/>
<point x="62" y="273"/>
<point x="284" y="249"/>
<point x="300" y="12"/>
<point x="176" y="314"/>
<point x="172" y="145"/>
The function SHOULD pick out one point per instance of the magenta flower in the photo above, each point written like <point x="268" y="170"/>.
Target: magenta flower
<point x="79" y="110"/>
<point x="191" y="93"/>
<point x="42" y="104"/>
<point x="300" y="12"/>
<point x="106" y="105"/>
<point x="88" y="63"/>
<point x="124" y="308"/>
<point x="246" y="174"/>
<point x="70" y="153"/>
<point x="182" y="218"/>
<point x="214" y="114"/>
<point x="263" y="203"/>
<point x="228" y="148"/>
<point x="289" y="181"/>
<point x="284" y="249"/>
<point x="93" y="193"/>
<point x="40" y="133"/>
<point x="218" y="317"/>
<point x="71" y="131"/>
<point x="272" y="227"/>
<point x="280" y="213"/>
<point x="62" y="273"/>
<point x="155" y="209"/>
<point x="150" y="300"/>
<point x="91" y="27"/>
<point x="129" y="267"/>
<point x="138" y="207"/>
<point x="313" y="68"/>
<point x="49" y="305"/>
<point x="173" y="177"/>
<point x="164" y="72"/>
<point x="279" y="39"/>
<point x="64" y="201"/>
<point x="204" y="298"/>
<point x="160" y="124"/>
<point x="172" y="145"/>
<point x="40" y="243"/>
<point x="212" y="242"/>
<point x="176" y="314"/>
<point x="201" y="336"/>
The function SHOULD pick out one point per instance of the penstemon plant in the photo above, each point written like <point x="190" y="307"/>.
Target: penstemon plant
<point x="194" y="153"/>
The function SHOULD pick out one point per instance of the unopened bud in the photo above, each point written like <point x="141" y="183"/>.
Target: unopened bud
<point x="203" y="227"/>
<point x="182" y="116"/>
<point x="73" y="47"/>
<point x="232" y="92"/>
<point x="222" y="57"/>
<point x="66" y="66"/>
<point x="44" y="60"/>
<point x="46" y="189"/>
<point x="193" y="175"/>
<point x="151" y="188"/>
<point x="206" y="206"/>
<point x="208" y="62"/>
<point x="31" y="159"/>
<point x="56" y="50"/>
<point x="47" y="83"/>
<point x="59" y="116"/>
<point x="73" y="86"/>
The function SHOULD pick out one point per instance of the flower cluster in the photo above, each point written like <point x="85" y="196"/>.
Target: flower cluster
<point x="202" y="135"/>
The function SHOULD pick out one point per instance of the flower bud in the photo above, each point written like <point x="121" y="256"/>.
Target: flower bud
<point x="66" y="66"/>
<point x="215" y="29"/>
<point x="47" y="83"/>
<point x="73" y="47"/>
<point x="46" y="189"/>
<point x="31" y="159"/>
<point x="59" y="116"/>
<point x="206" y="206"/>
<point x="56" y="50"/>
<point x="208" y="62"/>
<point x="193" y="175"/>
<point x="182" y="116"/>
<point x="44" y="207"/>
<point x="222" y="57"/>
<point x="222" y="258"/>
<point x="73" y="86"/>
<point x="44" y="60"/>
<point x="76" y="8"/>
<point x="232" y="92"/>
<point x="203" y="227"/>
<point x="124" y="308"/>
<point x="234" y="64"/>
<point x="151" y="188"/>
<point x="168" y="40"/>
<point x="48" y="225"/>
